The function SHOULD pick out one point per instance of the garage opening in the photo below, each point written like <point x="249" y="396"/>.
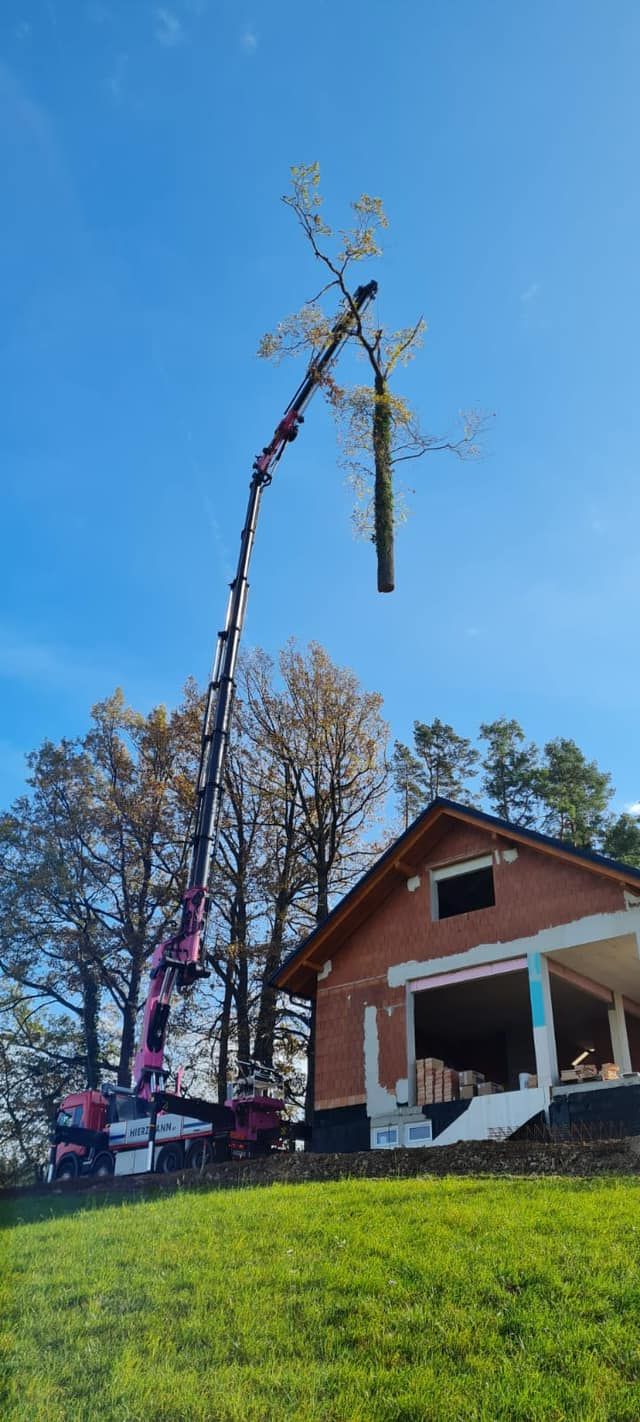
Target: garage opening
<point x="632" y="1019"/>
<point x="482" y="1025"/>
<point x="581" y="1023"/>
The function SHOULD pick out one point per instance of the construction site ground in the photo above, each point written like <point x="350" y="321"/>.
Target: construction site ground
<point x="518" y="1158"/>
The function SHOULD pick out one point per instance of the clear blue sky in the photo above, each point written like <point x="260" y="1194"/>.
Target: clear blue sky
<point x="144" y="250"/>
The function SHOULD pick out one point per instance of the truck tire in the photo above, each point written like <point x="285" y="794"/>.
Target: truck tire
<point x="171" y="1157"/>
<point x="68" y="1168"/>
<point x="104" y="1164"/>
<point x="199" y="1154"/>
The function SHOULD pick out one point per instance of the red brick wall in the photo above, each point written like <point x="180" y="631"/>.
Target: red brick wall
<point x="535" y="892"/>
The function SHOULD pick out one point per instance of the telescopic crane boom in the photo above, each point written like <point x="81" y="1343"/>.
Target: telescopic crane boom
<point x="177" y="963"/>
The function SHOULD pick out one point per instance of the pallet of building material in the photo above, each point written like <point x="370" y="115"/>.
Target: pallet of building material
<point x="470" y="1078"/>
<point x="489" y="1088"/>
<point x="610" y="1071"/>
<point x="466" y="1093"/>
<point x="569" y="1074"/>
<point x="587" y="1072"/>
<point x="433" y="1064"/>
<point x="446" y="1084"/>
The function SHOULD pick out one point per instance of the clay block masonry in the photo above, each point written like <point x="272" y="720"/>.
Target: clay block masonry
<point x="506" y="957"/>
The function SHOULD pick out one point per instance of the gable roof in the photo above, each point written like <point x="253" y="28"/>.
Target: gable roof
<point x="297" y="974"/>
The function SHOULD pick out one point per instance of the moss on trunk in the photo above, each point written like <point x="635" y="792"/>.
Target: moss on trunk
<point x="383" y="497"/>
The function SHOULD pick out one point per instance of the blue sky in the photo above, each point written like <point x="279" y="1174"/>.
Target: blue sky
<point x="144" y="250"/>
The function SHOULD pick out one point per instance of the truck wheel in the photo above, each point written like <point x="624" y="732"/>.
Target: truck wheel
<point x="198" y="1155"/>
<point x="171" y="1157"/>
<point x="104" y="1164"/>
<point x="67" y="1168"/>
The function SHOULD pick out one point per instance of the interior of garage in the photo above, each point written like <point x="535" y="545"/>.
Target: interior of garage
<point x="581" y="1023"/>
<point x="483" y="1025"/>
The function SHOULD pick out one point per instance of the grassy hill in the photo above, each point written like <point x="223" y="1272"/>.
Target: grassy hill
<point x="456" y="1300"/>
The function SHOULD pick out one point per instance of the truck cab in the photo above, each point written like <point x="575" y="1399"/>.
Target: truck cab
<point x="81" y="1112"/>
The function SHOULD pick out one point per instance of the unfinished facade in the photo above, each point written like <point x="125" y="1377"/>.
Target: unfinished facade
<point x="478" y="977"/>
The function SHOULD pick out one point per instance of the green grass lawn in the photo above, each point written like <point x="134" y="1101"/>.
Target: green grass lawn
<point x="501" y="1300"/>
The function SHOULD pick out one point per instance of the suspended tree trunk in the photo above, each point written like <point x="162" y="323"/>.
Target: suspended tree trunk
<point x="383" y="497"/>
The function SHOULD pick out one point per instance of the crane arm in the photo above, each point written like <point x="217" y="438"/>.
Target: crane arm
<point x="179" y="961"/>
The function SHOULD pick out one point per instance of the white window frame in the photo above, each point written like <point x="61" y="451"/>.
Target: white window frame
<point x="455" y="871"/>
<point x="385" y="1131"/>
<point x="426" y="1139"/>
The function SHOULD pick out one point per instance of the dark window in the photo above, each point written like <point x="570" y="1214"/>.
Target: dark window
<point x="464" y="892"/>
<point x="72" y="1116"/>
<point x="127" y="1108"/>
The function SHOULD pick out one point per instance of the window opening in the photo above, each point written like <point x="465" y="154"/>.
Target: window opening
<point x="464" y="892"/>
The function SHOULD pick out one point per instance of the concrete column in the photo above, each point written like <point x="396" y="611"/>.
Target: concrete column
<point x="410" y="1018"/>
<point x="619" y="1037"/>
<point x="544" y="1038"/>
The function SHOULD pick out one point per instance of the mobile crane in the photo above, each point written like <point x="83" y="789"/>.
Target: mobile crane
<point x="147" y="1127"/>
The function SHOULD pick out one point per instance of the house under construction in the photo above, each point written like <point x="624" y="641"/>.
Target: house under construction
<point x="480" y="978"/>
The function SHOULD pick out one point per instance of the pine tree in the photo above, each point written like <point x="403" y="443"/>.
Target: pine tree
<point x="621" y="839"/>
<point x="511" y="767"/>
<point x="574" y="792"/>
<point x="408" y="782"/>
<point x="448" y="760"/>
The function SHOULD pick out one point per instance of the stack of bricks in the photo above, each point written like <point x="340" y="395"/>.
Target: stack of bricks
<point x="435" y="1082"/>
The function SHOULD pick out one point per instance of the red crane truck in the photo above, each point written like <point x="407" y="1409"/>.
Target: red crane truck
<point x="145" y="1127"/>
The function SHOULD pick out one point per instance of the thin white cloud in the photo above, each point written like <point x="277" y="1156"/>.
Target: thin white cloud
<point x="530" y="294"/>
<point x="97" y="12"/>
<point x="249" y="40"/>
<point x="168" y="28"/>
<point x="23" y="30"/>
<point x="30" y="662"/>
<point x="634" y="809"/>
<point x="18" y="110"/>
<point x="115" y="81"/>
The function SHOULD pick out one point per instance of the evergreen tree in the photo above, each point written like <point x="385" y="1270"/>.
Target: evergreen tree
<point x="408" y="782"/>
<point x="448" y="760"/>
<point x="574" y="793"/>
<point x="621" y="839"/>
<point x="511" y="768"/>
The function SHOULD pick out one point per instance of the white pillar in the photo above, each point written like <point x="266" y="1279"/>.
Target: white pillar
<point x="544" y="1038"/>
<point x="410" y="1018"/>
<point x="619" y="1037"/>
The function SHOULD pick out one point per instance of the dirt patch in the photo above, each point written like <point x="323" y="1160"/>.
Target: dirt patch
<point x="529" y="1159"/>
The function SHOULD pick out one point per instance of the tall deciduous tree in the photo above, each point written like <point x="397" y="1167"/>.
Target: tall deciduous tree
<point x="91" y="866"/>
<point x="330" y="736"/>
<point x="511" y="768"/>
<point x="379" y="429"/>
<point x="42" y="1056"/>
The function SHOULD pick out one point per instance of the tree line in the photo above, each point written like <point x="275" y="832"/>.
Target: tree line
<point x="553" y="788"/>
<point x="93" y="862"/>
